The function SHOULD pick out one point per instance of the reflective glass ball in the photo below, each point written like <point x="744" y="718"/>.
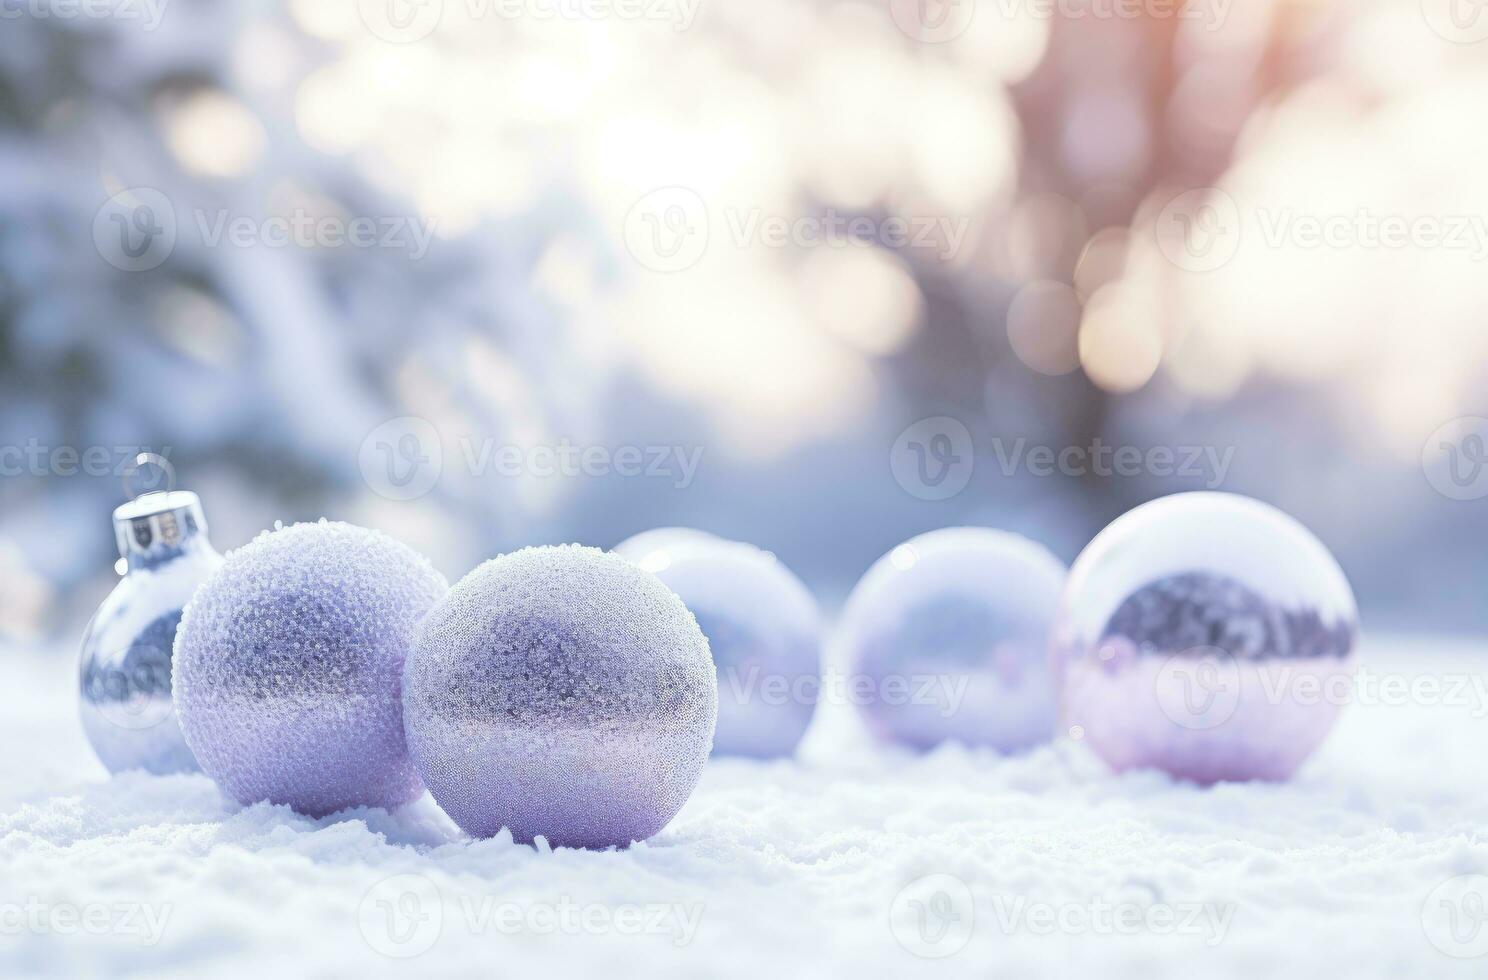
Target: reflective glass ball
<point x="560" y="693"/>
<point x="1208" y="635"/>
<point x="947" y="636"/>
<point x="126" y="704"/>
<point x="764" y="632"/>
<point x="638" y="546"/>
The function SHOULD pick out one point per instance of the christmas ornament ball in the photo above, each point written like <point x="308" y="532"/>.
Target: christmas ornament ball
<point x="947" y="636"/>
<point x="1208" y="635"/>
<point x="640" y="548"/>
<point x="764" y="631"/>
<point x="288" y="665"/>
<point x="125" y="664"/>
<point x="560" y="692"/>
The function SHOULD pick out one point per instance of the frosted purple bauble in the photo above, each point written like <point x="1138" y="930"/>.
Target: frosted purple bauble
<point x="764" y="631"/>
<point x="1208" y="635"/>
<point x="947" y="639"/>
<point x="288" y="666"/>
<point x="563" y="693"/>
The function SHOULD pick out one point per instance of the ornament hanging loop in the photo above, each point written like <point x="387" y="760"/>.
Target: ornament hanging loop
<point x="149" y="459"/>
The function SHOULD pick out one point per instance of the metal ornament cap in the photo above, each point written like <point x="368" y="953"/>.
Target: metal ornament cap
<point x="156" y="527"/>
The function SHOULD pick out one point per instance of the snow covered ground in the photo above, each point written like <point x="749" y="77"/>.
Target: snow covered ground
<point x="851" y="862"/>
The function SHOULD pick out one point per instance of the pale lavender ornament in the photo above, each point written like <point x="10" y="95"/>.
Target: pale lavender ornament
<point x="288" y="665"/>
<point x="1208" y="635"/>
<point x="946" y="638"/>
<point x="764" y="631"/>
<point x="560" y="692"/>
<point x="638" y="547"/>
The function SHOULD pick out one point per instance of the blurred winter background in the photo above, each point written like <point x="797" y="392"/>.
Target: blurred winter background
<point x="592" y="242"/>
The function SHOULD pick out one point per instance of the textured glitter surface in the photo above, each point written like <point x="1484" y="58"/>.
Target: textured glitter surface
<point x="564" y="693"/>
<point x="288" y="664"/>
<point x="764" y="630"/>
<point x="947" y="638"/>
<point x="1207" y="635"/>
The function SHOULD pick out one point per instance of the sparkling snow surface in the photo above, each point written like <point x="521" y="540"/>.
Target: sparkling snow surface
<point x="853" y="861"/>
